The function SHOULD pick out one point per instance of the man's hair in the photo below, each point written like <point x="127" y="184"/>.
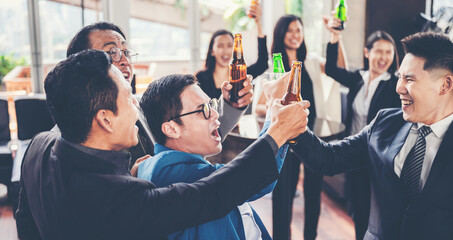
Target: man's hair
<point x="435" y="48"/>
<point x="77" y="88"/>
<point x="81" y="40"/>
<point x="162" y="101"/>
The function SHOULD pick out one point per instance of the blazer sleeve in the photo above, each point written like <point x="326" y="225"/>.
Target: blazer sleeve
<point x="228" y="117"/>
<point x="341" y="75"/>
<point x="261" y="64"/>
<point x="25" y="223"/>
<point x="160" y="211"/>
<point x="330" y="159"/>
<point x="26" y="226"/>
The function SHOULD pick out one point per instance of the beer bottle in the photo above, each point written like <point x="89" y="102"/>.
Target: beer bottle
<point x="340" y="13"/>
<point x="293" y="92"/>
<point x="279" y="68"/>
<point x="238" y="69"/>
<point x="253" y="3"/>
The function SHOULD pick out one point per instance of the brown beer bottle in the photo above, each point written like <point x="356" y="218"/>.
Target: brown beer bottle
<point x="293" y="92"/>
<point x="238" y="68"/>
<point x="252" y="4"/>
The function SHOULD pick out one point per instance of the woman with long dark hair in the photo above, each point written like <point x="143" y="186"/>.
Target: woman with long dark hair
<point x="370" y="90"/>
<point x="289" y="41"/>
<point x="219" y="56"/>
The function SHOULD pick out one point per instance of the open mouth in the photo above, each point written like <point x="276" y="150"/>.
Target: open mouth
<point x="382" y="64"/>
<point x="127" y="75"/>
<point x="215" y="134"/>
<point x="406" y="102"/>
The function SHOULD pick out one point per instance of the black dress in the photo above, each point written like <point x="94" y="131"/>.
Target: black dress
<point x="206" y="79"/>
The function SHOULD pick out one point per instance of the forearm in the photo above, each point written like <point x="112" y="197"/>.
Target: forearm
<point x="228" y="117"/>
<point x="184" y="205"/>
<point x="330" y="159"/>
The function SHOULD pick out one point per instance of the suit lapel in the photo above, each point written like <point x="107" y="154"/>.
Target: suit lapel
<point x="396" y="145"/>
<point x="442" y="158"/>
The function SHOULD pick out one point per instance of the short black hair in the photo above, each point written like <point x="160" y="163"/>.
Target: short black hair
<point x="382" y="35"/>
<point x="162" y="101"/>
<point x="278" y="43"/>
<point x="81" y="40"/>
<point x="77" y="88"/>
<point x="435" y="48"/>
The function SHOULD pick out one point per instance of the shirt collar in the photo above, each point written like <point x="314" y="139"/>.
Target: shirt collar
<point x="439" y="128"/>
<point x="385" y="76"/>
<point x="158" y="148"/>
<point x="120" y="159"/>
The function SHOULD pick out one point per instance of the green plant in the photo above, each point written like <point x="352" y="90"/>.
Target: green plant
<point x="8" y="62"/>
<point x="293" y="7"/>
<point x="236" y="18"/>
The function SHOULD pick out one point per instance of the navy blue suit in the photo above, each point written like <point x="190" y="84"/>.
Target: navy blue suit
<point x="428" y="216"/>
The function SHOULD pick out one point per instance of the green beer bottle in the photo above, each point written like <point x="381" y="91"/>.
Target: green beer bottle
<point x="340" y="13"/>
<point x="279" y="68"/>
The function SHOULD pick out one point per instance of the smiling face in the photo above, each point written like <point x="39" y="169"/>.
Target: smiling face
<point x="380" y="56"/>
<point x="197" y="134"/>
<point x="294" y="35"/>
<point x="422" y="97"/>
<point x="222" y="50"/>
<point x="125" y="131"/>
<point x="105" y="40"/>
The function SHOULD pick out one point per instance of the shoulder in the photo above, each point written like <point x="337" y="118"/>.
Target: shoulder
<point x="173" y="166"/>
<point x="388" y="117"/>
<point x="202" y="76"/>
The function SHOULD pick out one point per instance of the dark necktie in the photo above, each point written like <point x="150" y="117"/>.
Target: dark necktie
<point x="410" y="175"/>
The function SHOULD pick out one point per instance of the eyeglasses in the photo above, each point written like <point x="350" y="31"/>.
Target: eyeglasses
<point x="116" y="54"/>
<point x="213" y="104"/>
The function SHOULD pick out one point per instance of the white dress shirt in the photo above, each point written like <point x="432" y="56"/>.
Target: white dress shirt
<point x="251" y="228"/>
<point x="362" y="100"/>
<point x="433" y="141"/>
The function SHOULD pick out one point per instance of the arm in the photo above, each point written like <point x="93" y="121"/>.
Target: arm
<point x="228" y="117"/>
<point x="26" y="226"/>
<point x="161" y="211"/>
<point x="336" y="62"/>
<point x="330" y="159"/>
<point x="262" y="63"/>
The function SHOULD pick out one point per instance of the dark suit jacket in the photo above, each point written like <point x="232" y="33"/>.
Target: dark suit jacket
<point x="384" y="97"/>
<point x="429" y="216"/>
<point x="68" y="194"/>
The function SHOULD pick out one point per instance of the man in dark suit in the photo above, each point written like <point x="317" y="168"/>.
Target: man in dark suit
<point x="76" y="185"/>
<point x="407" y="151"/>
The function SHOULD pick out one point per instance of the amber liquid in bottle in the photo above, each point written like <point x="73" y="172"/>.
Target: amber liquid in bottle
<point x="238" y="69"/>
<point x="253" y="3"/>
<point x="293" y="92"/>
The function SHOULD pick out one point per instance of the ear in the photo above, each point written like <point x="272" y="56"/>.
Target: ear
<point x="104" y="119"/>
<point x="171" y="129"/>
<point x="366" y="53"/>
<point x="447" y="85"/>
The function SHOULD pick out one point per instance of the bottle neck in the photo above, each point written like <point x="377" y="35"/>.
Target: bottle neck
<point x="294" y="86"/>
<point x="237" y="50"/>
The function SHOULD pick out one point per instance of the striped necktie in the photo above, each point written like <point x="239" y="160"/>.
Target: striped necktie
<point x="410" y="174"/>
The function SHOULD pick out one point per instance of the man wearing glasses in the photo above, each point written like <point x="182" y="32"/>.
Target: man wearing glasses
<point x="185" y="126"/>
<point x="110" y="38"/>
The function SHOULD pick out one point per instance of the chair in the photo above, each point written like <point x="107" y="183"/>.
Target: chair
<point x="6" y="160"/>
<point x="33" y="116"/>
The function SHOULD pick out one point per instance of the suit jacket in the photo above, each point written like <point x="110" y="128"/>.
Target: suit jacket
<point x="69" y="194"/>
<point x="428" y="216"/>
<point x="169" y="166"/>
<point x="384" y="97"/>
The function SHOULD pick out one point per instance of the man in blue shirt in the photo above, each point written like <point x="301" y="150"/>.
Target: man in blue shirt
<point x="186" y="131"/>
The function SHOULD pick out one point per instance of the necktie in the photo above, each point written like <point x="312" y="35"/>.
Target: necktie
<point x="410" y="174"/>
